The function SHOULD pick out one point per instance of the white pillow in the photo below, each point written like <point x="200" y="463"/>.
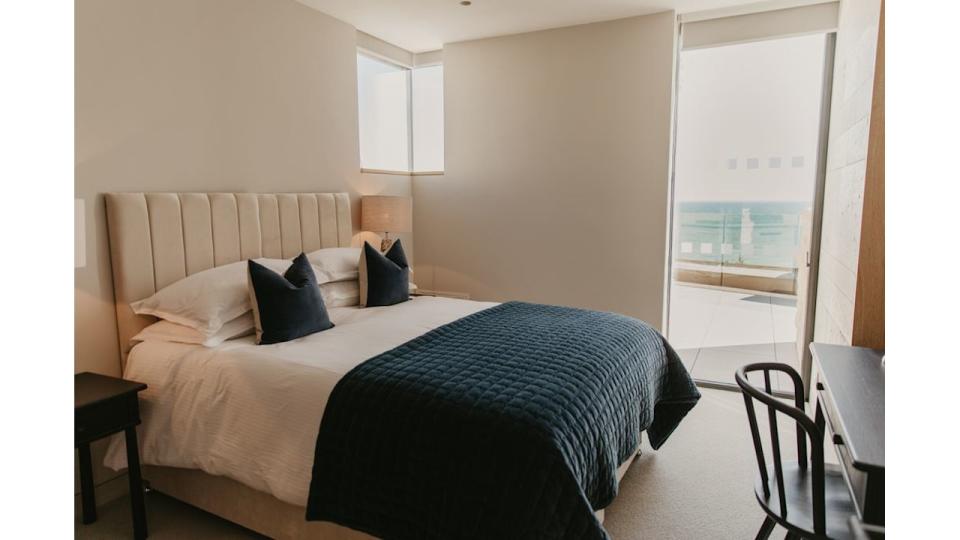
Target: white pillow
<point x="335" y="264"/>
<point x="340" y="294"/>
<point x="168" y="331"/>
<point x="205" y="301"/>
<point x="346" y="293"/>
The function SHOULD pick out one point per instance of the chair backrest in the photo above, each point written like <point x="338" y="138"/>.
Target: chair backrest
<point x="805" y="428"/>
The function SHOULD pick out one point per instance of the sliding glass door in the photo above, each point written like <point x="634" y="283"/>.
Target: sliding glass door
<point x="747" y="163"/>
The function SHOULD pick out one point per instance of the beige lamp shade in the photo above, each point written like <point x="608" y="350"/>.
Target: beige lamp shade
<point x="381" y="213"/>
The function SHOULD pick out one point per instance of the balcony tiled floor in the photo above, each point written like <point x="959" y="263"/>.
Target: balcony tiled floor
<point x="716" y="331"/>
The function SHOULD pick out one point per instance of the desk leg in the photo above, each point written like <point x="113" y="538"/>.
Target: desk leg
<point x="87" y="493"/>
<point x="136" y="485"/>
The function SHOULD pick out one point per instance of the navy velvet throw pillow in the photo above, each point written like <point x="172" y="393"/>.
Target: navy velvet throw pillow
<point x="384" y="278"/>
<point x="289" y="306"/>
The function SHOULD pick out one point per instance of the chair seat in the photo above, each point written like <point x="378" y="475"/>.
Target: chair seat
<point x="798" y="491"/>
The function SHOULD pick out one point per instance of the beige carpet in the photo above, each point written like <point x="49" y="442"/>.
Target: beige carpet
<point x="697" y="486"/>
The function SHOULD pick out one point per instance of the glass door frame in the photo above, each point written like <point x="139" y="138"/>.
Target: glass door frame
<point x="813" y="258"/>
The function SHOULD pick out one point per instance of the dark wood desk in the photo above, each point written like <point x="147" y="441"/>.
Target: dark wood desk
<point x="103" y="406"/>
<point x="850" y="403"/>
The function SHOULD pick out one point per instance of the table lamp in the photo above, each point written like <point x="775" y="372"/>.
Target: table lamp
<point x="386" y="214"/>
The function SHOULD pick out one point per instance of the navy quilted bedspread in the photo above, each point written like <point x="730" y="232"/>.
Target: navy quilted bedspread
<point x="508" y="423"/>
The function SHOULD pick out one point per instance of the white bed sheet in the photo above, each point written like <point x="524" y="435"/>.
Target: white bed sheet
<point x="252" y="412"/>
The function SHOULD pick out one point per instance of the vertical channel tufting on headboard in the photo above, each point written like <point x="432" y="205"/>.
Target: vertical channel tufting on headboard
<point x="159" y="238"/>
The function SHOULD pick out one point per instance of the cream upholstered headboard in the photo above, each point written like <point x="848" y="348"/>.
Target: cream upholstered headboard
<point x="159" y="238"/>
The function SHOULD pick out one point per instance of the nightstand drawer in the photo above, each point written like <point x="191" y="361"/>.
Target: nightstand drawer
<point x="105" y="417"/>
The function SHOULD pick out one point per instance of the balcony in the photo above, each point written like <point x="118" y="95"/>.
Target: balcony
<point x="737" y="273"/>
<point x="715" y="331"/>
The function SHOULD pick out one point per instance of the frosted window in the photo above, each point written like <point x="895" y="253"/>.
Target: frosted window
<point x="383" y="100"/>
<point x="428" y="118"/>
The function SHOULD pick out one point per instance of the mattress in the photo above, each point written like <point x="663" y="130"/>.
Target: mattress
<point x="251" y="413"/>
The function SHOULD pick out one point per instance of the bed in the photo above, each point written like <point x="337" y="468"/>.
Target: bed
<point x="232" y="429"/>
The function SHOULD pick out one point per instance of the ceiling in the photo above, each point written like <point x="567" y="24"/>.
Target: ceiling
<point x="425" y="25"/>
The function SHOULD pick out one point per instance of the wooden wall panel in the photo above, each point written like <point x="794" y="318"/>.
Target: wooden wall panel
<point x="868" y="315"/>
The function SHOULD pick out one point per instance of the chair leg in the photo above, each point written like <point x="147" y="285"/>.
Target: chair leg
<point x="792" y="536"/>
<point x="766" y="529"/>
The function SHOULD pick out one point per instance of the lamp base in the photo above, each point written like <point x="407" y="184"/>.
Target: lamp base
<point x="385" y="244"/>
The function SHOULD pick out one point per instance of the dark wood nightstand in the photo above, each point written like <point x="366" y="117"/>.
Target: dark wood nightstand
<point x="104" y="406"/>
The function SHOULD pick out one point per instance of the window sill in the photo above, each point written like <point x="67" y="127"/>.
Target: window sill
<point x="401" y="173"/>
<point x="384" y="171"/>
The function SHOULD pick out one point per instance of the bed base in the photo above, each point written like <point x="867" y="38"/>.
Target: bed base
<point x="245" y="506"/>
<point x="256" y="510"/>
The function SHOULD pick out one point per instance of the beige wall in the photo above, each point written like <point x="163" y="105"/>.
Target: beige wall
<point x="846" y="168"/>
<point x="557" y="168"/>
<point x="217" y="95"/>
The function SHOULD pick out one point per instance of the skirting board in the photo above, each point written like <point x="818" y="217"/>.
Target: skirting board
<point x="254" y="509"/>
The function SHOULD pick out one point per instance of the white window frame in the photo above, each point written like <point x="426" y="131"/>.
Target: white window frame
<point x="409" y="72"/>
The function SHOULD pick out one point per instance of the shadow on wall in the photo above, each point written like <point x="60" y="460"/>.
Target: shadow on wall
<point x="377" y="184"/>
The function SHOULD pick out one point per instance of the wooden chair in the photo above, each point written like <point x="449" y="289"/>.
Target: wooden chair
<point x="806" y="498"/>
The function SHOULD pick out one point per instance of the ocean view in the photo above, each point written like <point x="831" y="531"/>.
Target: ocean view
<point x="749" y="233"/>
